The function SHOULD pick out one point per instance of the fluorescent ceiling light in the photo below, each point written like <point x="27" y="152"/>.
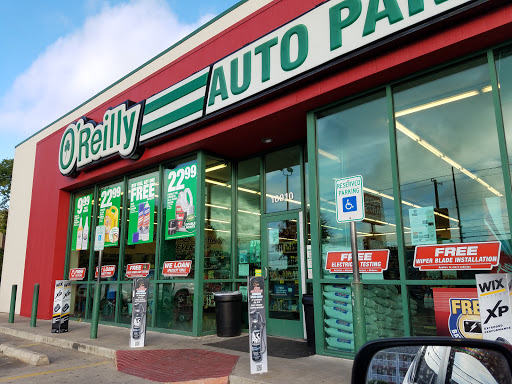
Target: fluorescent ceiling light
<point x="328" y="155"/>
<point x="437" y="103"/>
<point x="214" y="168"/>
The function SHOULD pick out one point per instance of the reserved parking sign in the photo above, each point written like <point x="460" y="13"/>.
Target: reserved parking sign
<point x="349" y="199"/>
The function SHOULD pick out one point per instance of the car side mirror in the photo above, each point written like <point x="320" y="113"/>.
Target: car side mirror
<point x="433" y="360"/>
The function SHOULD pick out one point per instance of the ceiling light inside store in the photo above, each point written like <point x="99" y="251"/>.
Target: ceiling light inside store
<point x="442" y="156"/>
<point x="328" y="155"/>
<point x="214" y="168"/>
<point x="437" y="103"/>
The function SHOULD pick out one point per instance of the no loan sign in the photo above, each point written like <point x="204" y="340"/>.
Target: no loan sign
<point x="371" y="261"/>
<point x="479" y="256"/>
<point x="177" y="268"/>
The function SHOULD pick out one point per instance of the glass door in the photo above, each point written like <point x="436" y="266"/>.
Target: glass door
<point x="282" y="272"/>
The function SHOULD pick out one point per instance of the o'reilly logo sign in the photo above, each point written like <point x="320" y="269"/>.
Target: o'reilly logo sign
<point x="86" y="142"/>
<point x="327" y="32"/>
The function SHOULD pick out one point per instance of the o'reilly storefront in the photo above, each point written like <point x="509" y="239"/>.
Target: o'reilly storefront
<point x="233" y="168"/>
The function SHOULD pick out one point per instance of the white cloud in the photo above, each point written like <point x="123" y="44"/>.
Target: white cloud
<point x="105" y="48"/>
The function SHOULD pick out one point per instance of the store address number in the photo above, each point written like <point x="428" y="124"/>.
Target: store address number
<point x="282" y="197"/>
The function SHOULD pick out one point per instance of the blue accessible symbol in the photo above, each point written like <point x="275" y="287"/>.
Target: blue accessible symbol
<point x="349" y="203"/>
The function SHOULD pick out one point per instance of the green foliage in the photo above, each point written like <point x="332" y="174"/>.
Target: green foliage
<point x="5" y="183"/>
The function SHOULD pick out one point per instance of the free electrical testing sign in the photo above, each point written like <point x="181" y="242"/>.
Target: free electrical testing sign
<point x="349" y="199"/>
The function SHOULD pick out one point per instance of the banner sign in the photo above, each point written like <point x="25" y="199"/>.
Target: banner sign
<point x="81" y="220"/>
<point x="257" y="324"/>
<point x="110" y="209"/>
<point x="476" y="256"/>
<point x="137" y="270"/>
<point x="328" y="32"/>
<point x="179" y="268"/>
<point x="77" y="274"/>
<point x="106" y="271"/>
<point x="457" y="312"/>
<point x="370" y="261"/>
<point x="139" y="310"/>
<point x="181" y="189"/>
<point x="494" y="292"/>
<point x="142" y="208"/>
<point x="61" y="306"/>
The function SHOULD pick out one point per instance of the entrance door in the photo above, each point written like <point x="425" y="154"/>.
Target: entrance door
<point x="281" y="268"/>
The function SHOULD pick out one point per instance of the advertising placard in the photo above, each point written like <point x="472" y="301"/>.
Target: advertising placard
<point x="139" y="310"/>
<point x="349" y="199"/>
<point x="142" y="208"/>
<point x="81" y="222"/>
<point x="423" y="225"/>
<point x="257" y="324"/>
<point x="77" y="274"/>
<point x="479" y="256"/>
<point x="370" y="261"/>
<point x="61" y="304"/>
<point x="457" y="312"/>
<point x="110" y="211"/>
<point x="181" y="189"/>
<point x="494" y="292"/>
<point x="106" y="271"/>
<point x="180" y="268"/>
<point x="137" y="270"/>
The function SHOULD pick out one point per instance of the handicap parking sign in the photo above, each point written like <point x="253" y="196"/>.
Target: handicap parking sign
<point x="349" y="199"/>
<point x="349" y="204"/>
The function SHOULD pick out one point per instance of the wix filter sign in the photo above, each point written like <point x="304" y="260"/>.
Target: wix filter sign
<point x="139" y="311"/>
<point x="61" y="306"/>
<point x="495" y="306"/>
<point x="322" y="35"/>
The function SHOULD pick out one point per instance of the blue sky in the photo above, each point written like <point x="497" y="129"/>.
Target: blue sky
<point x="57" y="54"/>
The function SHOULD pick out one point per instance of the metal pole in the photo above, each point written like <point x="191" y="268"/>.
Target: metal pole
<point x="357" y="294"/>
<point x="96" y="302"/>
<point x="14" y="290"/>
<point x="35" y="300"/>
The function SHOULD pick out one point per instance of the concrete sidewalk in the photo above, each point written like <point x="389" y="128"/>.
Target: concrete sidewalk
<point x="310" y="369"/>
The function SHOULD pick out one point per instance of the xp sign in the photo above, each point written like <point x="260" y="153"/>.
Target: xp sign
<point x="349" y="199"/>
<point x="85" y="142"/>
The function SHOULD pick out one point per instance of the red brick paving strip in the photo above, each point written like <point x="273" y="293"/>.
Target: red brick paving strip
<point x="177" y="365"/>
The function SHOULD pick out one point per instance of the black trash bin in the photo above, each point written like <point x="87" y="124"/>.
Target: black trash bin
<point x="228" y="307"/>
<point x="309" y="312"/>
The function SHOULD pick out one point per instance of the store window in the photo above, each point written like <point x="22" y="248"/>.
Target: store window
<point x="217" y="236"/>
<point x="283" y="180"/>
<point x="504" y="72"/>
<point x="248" y="217"/>
<point x="79" y="256"/>
<point x="353" y="139"/>
<point x="450" y="170"/>
<point x="143" y="203"/>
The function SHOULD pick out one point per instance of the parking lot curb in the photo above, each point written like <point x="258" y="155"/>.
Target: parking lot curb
<point x="24" y="355"/>
<point x="77" y="346"/>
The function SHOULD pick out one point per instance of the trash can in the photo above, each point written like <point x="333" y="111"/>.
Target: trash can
<point x="228" y="306"/>
<point x="309" y="313"/>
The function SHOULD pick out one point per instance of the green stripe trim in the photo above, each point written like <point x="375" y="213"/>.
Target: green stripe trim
<point x="173" y="116"/>
<point x="176" y="94"/>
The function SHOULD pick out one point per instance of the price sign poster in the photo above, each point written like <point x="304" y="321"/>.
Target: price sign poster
<point x="81" y="223"/>
<point x="142" y="209"/>
<point x="181" y="186"/>
<point x="109" y="214"/>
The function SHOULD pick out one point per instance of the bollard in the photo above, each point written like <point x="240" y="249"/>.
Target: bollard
<point x="95" y="311"/>
<point x="35" y="299"/>
<point x="13" y="303"/>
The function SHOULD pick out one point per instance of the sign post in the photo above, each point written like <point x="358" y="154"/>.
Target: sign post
<point x="350" y="208"/>
<point x="99" y="245"/>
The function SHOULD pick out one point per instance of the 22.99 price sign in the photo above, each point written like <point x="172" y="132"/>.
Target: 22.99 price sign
<point x="109" y="214"/>
<point x="181" y="188"/>
<point x="81" y="223"/>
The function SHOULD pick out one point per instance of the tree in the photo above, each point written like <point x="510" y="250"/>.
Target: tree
<point x="5" y="194"/>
